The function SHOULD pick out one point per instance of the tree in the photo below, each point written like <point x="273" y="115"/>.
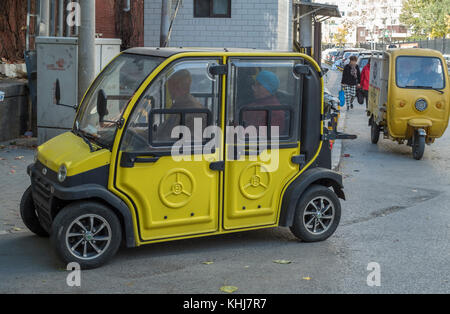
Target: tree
<point x="426" y="18"/>
<point x="340" y="38"/>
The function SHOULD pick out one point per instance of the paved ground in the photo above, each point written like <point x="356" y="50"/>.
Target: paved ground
<point x="396" y="214"/>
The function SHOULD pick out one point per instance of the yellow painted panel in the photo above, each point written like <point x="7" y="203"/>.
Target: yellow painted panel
<point x="72" y="151"/>
<point x="253" y="189"/>
<point x="172" y="198"/>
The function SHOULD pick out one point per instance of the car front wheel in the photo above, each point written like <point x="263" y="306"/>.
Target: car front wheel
<point x="86" y="232"/>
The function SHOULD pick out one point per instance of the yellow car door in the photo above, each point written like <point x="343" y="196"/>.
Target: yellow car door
<point x="173" y="195"/>
<point x="264" y="98"/>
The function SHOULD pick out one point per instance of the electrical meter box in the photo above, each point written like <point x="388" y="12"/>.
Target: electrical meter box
<point x="57" y="59"/>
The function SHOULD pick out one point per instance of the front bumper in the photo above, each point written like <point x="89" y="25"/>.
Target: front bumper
<point x="43" y="190"/>
<point x="50" y="196"/>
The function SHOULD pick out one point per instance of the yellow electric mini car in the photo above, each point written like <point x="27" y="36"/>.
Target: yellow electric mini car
<point x="409" y="96"/>
<point x="171" y="144"/>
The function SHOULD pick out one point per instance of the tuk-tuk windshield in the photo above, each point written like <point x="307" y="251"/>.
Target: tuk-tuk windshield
<point x="119" y="81"/>
<point x="420" y="72"/>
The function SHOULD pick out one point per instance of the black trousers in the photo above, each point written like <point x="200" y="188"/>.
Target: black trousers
<point x="366" y="97"/>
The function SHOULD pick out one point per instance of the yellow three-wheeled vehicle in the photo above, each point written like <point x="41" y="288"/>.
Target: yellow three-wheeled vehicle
<point x="409" y="96"/>
<point x="178" y="143"/>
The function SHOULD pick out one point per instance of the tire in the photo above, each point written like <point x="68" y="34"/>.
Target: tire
<point x="29" y="215"/>
<point x="305" y="224"/>
<point x="374" y="132"/>
<point x="74" y="243"/>
<point x="418" y="146"/>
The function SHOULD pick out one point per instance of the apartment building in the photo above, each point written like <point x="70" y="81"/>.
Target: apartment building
<point x="367" y="20"/>
<point x="261" y="24"/>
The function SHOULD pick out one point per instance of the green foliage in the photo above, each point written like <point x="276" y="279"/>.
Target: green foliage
<point x="427" y="18"/>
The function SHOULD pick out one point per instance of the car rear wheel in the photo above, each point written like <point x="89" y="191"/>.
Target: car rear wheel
<point x="29" y="215"/>
<point x="317" y="214"/>
<point x="86" y="232"/>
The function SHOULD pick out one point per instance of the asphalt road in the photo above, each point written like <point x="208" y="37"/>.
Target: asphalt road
<point x="397" y="214"/>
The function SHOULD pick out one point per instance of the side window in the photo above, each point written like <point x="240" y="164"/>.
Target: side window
<point x="265" y="94"/>
<point x="185" y="94"/>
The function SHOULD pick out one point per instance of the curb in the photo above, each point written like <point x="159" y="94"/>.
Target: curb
<point x="336" y="153"/>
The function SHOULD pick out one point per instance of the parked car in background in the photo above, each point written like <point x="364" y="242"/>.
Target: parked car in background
<point x="346" y="58"/>
<point x="364" y="57"/>
<point x="331" y="56"/>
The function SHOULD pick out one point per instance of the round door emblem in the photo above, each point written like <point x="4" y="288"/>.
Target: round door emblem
<point x="176" y="188"/>
<point x="254" y="181"/>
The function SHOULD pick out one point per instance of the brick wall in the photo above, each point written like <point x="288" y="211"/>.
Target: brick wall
<point x="105" y="18"/>
<point x="261" y="24"/>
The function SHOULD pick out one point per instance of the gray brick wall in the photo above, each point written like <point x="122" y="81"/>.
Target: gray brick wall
<point x="261" y="24"/>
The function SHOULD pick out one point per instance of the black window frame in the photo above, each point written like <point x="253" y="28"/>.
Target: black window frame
<point x="294" y="129"/>
<point x="211" y="14"/>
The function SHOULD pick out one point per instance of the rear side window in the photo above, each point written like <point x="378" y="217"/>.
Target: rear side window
<point x="266" y="95"/>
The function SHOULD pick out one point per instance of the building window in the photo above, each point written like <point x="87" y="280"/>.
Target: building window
<point x="212" y="8"/>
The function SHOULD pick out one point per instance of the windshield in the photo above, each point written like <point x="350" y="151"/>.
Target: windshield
<point x="119" y="81"/>
<point x="420" y="72"/>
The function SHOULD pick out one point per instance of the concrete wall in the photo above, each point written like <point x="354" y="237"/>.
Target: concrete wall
<point x="261" y="24"/>
<point x="13" y="109"/>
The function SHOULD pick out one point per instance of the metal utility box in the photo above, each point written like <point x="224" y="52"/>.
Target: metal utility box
<point x="57" y="58"/>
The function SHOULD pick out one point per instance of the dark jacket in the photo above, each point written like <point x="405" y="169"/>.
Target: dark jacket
<point x="348" y="78"/>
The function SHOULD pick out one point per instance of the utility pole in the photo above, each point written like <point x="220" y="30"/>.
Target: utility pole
<point x="86" y="47"/>
<point x="306" y="29"/>
<point x="44" y="27"/>
<point x="165" y="22"/>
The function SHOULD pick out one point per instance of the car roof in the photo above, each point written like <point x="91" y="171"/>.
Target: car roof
<point x="414" y="52"/>
<point x="168" y="52"/>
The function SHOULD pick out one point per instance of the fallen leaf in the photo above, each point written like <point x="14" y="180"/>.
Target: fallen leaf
<point x="306" y="278"/>
<point x="13" y="171"/>
<point x="228" y="289"/>
<point x="19" y="157"/>
<point x="17" y="229"/>
<point x="282" y="261"/>
<point x="208" y="263"/>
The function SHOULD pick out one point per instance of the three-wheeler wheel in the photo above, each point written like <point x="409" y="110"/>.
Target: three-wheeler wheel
<point x="418" y="145"/>
<point x="86" y="232"/>
<point x="317" y="214"/>
<point x="29" y="215"/>
<point x="374" y="132"/>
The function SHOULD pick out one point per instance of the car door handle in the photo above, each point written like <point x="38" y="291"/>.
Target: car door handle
<point x="129" y="159"/>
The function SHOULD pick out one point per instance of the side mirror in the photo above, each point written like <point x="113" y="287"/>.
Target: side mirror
<point x="57" y="92"/>
<point x="101" y="105"/>
<point x="325" y="71"/>
<point x="58" y="96"/>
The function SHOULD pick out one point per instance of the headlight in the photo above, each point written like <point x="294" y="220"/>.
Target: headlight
<point x="421" y="104"/>
<point x="62" y="173"/>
